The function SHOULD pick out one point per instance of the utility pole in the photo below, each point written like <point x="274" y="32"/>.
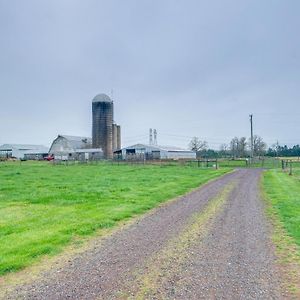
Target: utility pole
<point x="252" y="150"/>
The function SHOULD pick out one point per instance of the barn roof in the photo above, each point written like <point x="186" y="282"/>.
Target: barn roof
<point x="77" y="142"/>
<point x="10" y="147"/>
<point x="158" y="148"/>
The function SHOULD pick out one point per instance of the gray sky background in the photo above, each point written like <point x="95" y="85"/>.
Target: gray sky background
<point x="186" y="68"/>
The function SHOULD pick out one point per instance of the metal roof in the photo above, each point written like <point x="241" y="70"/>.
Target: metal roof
<point x="36" y="151"/>
<point x="173" y="148"/>
<point x="158" y="148"/>
<point x="77" y="142"/>
<point x="92" y="150"/>
<point x="102" y="98"/>
<point x="10" y="147"/>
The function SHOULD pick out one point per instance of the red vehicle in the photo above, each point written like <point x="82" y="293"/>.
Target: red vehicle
<point x="49" y="157"/>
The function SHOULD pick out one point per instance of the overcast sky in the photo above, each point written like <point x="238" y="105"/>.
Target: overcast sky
<point x="186" y="68"/>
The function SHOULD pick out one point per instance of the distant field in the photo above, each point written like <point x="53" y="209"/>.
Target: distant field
<point x="283" y="193"/>
<point x="45" y="207"/>
<point x="267" y="162"/>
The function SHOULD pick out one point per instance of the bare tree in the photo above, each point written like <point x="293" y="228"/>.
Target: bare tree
<point x="224" y="149"/>
<point x="234" y="147"/>
<point x="242" y="147"/>
<point x="259" y="146"/>
<point x="275" y="147"/>
<point x="238" y="147"/>
<point x="197" y="145"/>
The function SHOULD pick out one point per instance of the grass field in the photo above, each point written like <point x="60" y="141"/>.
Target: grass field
<point x="266" y="162"/>
<point x="45" y="207"/>
<point x="283" y="193"/>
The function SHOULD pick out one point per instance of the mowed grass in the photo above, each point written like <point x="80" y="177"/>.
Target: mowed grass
<point x="45" y="207"/>
<point x="283" y="193"/>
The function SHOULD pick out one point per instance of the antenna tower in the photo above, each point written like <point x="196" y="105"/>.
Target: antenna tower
<point x="150" y="136"/>
<point x="155" y="137"/>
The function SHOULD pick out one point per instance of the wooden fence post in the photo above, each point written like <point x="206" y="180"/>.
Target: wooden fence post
<point x="291" y="168"/>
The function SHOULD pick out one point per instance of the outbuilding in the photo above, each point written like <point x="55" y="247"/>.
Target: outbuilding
<point x="143" y="151"/>
<point x="66" y="147"/>
<point x="23" y="151"/>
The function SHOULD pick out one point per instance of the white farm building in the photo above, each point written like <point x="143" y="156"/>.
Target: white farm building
<point x="66" y="147"/>
<point x="23" y="151"/>
<point x="143" y="151"/>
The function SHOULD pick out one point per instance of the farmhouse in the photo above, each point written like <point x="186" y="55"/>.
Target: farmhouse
<point x="68" y="147"/>
<point x="21" y="151"/>
<point x="143" y="151"/>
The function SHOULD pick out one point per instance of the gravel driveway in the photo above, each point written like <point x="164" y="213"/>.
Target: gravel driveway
<point x="210" y="244"/>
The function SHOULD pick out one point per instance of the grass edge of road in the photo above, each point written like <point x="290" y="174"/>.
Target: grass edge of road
<point x="286" y="250"/>
<point x="10" y="281"/>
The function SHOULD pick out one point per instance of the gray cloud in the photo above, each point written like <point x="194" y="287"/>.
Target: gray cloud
<point x="187" y="68"/>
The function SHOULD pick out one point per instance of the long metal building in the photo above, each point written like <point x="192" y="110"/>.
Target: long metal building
<point x="148" y="152"/>
<point x="21" y="151"/>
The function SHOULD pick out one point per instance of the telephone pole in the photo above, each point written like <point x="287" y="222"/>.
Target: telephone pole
<point x="252" y="149"/>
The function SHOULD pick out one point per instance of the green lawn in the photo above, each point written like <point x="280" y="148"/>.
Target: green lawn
<point x="44" y="207"/>
<point x="283" y="193"/>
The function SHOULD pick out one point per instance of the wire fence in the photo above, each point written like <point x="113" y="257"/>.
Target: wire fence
<point x="290" y="165"/>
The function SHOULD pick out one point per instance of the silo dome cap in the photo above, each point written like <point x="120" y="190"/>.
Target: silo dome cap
<point x="102" y="98"/>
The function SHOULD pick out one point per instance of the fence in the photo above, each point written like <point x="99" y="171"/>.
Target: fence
<point x="287" y="165"/>
<point x="290" y="165"/>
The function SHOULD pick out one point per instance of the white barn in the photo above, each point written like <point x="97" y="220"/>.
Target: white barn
<point x="144" y="151"/>
<point x="66" y="147"/>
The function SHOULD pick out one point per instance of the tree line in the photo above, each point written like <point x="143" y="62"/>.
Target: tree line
<point x="240" y="147"/>
<point x="278" y="150"/>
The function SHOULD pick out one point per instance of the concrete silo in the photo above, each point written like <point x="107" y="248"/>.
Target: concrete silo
<point x="102" y="131"/>
<point x="115" y="137"/>
<point x="118" y="137"/>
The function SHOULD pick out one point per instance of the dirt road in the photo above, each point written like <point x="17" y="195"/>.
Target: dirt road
<point x="210" y="244"/>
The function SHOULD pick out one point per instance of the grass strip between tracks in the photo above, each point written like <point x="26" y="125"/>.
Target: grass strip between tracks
<point x="167" y="262"/>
